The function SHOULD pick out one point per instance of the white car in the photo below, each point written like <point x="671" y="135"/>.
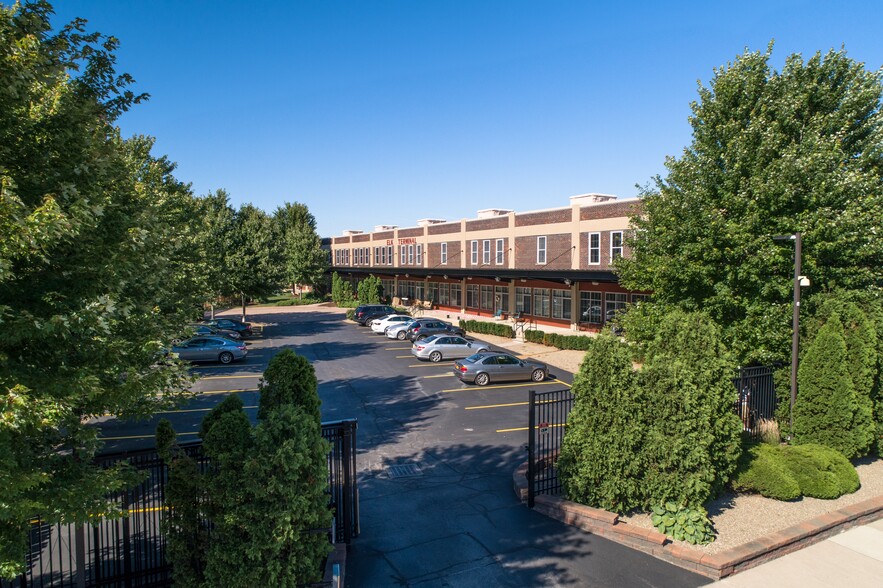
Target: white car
<point x="399" y="330"/>
<point x="379" y="325"/>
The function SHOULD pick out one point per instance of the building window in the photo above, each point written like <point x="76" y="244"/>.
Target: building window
<point x="472" y="296"/>
<point x="541" y="306"/>
<point x="615" y="245"/>
<point x="347" y="257"/>
<point x="614" y="304"/>
<point x="419" y="254"/>
<point x="486" y="256"/>
<point x="501" y="298"/>
<point x="456" y="295"/>
<point x="487" y="298"/>
<point x="444" y="253"/>
<point x="444" y="294"/>
<point x="500" y="251"/>
<point x="561" y="303"/>
<point x="523" y="300"/>
<point x="377" y="256"/>
<point x="403" y="255"/>
<point x="432" y="292"/>
<point x="594" y="248"/>
<point x="475" y="253"/>
<point x="541" y="250"/>
<point x="383" y="256"/>
<point x="410" y="255"/>
<point x="590" y="307"/>
<point x="389" y="259"/>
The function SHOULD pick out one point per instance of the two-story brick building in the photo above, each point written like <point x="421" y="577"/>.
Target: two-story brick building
<point x="550" y="266"/>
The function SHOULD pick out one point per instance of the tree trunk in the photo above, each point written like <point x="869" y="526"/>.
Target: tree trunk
<point x="243" y="306"/>
<point x="212" y="307"/>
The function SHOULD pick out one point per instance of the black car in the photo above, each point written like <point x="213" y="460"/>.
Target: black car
<point x="366" y="313"/>
<point x="244" y="329"/>
<point x="424" y="327"/>
<point x="207" y="330"/>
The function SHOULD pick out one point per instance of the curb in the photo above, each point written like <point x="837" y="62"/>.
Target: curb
<point x="335" y="566"/>
<point x="715" y="566"/>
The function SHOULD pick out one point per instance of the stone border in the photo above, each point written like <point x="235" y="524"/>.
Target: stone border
<point x="715" y="566"/>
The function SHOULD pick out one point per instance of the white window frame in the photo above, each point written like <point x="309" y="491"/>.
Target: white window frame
<point x="410" y="255"/>
<point x="615" y="251"/>
<point x="403" y="255"/>
<point x="474" y="250"/>
<point x="419" y="254"/>
<point x="500" y="256"/>
<point x="595" y="249"/>
<point x="389" y="255"/>
<point x="486" y="252"/>
<point x="444" y="254"/>
<point x="541" y="250"/>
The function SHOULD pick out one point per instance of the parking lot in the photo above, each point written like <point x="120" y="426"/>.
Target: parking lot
<point x="435" y="463"/>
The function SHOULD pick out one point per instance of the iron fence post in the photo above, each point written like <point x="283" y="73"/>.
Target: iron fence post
<point x="531" y="445"/>
<point x="80" y="554"/>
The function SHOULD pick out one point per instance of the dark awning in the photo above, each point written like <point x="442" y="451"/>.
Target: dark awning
<point x="490" y="273"/>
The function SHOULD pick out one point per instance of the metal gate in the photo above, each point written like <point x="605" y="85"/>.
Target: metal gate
<point x="547" y="420"/>
<point x="130" y="552"/>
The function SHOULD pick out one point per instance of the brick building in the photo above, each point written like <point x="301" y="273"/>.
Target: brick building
<point x="549" y="266"/>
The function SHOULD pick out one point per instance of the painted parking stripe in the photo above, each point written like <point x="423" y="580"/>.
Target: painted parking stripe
<point x="189" y="433"/>
<point x="404" y="356"/>
<point x="230" y="377"/>
<point x="427" y="364"/>
<point x="480" y="388"/>
<point x="440" y="376"/>
<point x="525" y="428"/>
<point x="210" y="392"/>
<point x="195" y="410"/>
<point x="497" y="405"/>
<point x="396" y="348"/>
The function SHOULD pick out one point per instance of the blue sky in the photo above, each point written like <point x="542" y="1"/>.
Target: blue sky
<point x="386" y="112"/>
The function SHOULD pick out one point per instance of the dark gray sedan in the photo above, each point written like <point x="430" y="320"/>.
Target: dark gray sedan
<point x="484" y="368"/>
<point x="438" y="347"/>
<point x="210" y="348"/>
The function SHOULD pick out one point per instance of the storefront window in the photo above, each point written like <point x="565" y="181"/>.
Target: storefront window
<point x="523" y="300"/>
<point x="613" y="304"/>
<point x="501" y="298"/>
<point x="456" y="295"/>
<point x="541" y="304"/>
<point x="561" y="304"/>
<point x="487" y="297"/>
<point x="472" y="296"/>
<point x="590" y="307"/>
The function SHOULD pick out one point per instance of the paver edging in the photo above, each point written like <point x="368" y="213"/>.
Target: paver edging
<point x="715" y="566"/>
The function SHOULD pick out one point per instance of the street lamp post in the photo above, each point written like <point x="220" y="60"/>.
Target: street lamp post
<point x="795" y="319"/>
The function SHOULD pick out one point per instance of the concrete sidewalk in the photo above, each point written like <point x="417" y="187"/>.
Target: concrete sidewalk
<point x="853" y="558"/>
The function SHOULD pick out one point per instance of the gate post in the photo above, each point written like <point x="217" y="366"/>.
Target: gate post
<point x="80" y="554"/>
<point x="531" y="446"/>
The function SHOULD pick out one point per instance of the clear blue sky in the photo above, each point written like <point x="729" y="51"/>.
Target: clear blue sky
<point x="385" y="112"/>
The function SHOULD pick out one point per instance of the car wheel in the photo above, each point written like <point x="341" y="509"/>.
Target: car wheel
<point x="225" y="357"/>
<point x="538" y="375"/>
<point x="400" y="336"/>
<point x="482" y="350"/>
<point x="482" y="379"/>
<point x="435" y="356"/>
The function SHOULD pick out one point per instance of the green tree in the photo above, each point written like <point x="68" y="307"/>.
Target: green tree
<point x="600" y="461"/>
<point x="825" y="409"/>
<point x="370" y="290"/>
<point x="290" y="379"/>
<point x="217" y="231"/>
<point x="772" y="153"/>
<point x="305" y="260"/>
<point x="253" y="259"/>
<point x="341" y="291"/>
<point x="97" y="270"/>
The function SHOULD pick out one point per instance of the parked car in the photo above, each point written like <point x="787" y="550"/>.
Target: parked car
<point x="244" y="329"/>
<point x="380" y="325"/>
<point x="368" y="312"/>
<point x="207" y="330"/>
<point x="424" y="327"/>
<point x="399" y="330"/>
<point x="438" y="347"/>
<point x="484" y="368"/>
<point x="210" y="348"/>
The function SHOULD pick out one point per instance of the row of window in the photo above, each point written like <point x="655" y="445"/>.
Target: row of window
<point x="413" y="254"/>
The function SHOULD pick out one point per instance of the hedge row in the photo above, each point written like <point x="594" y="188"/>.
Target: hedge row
<point x="486" y="328"/>
<point x="578" y="342"/>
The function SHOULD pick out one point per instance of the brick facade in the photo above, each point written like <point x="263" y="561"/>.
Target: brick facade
<point x="443" y="229"/>
<point x="548" y="217"/>
<point x="559" y="252"/>
<point x="486" y="224"/>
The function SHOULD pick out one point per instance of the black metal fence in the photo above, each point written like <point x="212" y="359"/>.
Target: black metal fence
<point x="547" y="419"/>
<point x="548" y="411"/>
<point x="130" y="551"/>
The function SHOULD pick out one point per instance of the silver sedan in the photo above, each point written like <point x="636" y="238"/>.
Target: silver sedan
<point x="210" y="348"/>
<point x="438" y="347"/>
<point x="483" y="368"/>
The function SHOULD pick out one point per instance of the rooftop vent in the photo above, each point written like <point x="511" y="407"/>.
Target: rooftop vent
<point x="351" y="232"/>
<point x="385" y="227"/>
<point x="423" y="222"/>
<point x="492" y="212"/>
<point x="589" y="199"/>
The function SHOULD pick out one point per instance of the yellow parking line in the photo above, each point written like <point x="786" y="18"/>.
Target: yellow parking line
<point x="427" y="364"/>
<point x="142" y="436"/>
<point x="193" y="410"/>
<point x="395" y="348"/>
<point x="403" y="356"/>
<point x="440" y="376"/>
<point x="209" y="392"/>
<point x="230" y="377"/>
<point x="560" y="382"/>
<point x="496" y="405"/>
<point x="524" y="428"/>
<point x="480" y="388"/>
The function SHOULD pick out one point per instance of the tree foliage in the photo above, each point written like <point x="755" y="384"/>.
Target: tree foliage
<point x="772" y="153"/>
<point x="253" y="260"/>
<point x="370" y="290"/>
<point x="305" y="260"/>
<point x="341" y="291"/>
<point x="99" y="266"/>
<point x="664" y="434"/>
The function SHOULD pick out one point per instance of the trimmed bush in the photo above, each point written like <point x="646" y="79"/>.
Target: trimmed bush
<point x="576" y="342"/>
<point x="350" y="314"/>
<point x="535" y="336"/>
<point x="785" y="473"/>
<point x="826" y="406"/>
<point x="487" y="328"/>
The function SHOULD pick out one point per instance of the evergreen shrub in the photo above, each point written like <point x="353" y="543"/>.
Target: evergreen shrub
<point x="487" y="328"/>
<point x="763" y="470"/>
<point x="574" y="342"/>
<point x="535" y="336"/>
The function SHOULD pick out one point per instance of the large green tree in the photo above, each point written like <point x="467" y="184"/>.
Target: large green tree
<point x="98" y="266"/>
<point x="304" y="259"/>
<point x="217" y="231"/>
<point x="253" y="259"/>
<point x="773" y="152"/>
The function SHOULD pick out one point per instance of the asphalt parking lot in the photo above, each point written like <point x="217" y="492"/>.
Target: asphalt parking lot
<point x="435" y="463"/>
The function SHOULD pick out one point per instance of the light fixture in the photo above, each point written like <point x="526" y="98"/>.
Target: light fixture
<point x="567" y="281"/>
<point x="496" y="278"/>
<point x="523" y="280"/>
<point x="804" y="281"/>
<point x="407" y="276"/>
<point x="445" y="276"/>
<point x="594" y="283"/>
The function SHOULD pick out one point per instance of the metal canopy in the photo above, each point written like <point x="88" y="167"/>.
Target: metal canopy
<point x="490" y="273"/>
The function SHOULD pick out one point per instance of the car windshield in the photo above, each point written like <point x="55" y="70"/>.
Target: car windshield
<point x="430" y="339"/>
<point x="474" y="358"/>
